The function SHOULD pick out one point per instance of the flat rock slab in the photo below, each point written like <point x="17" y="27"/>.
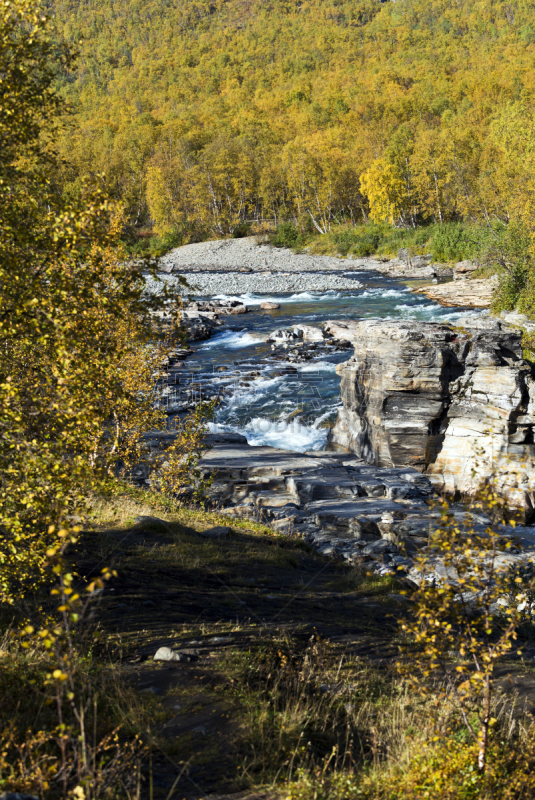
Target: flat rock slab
<point x="476" y="293"/>
<point x="370" y="507"/>
<point x="228" y="458"/>
<point x="331" y="499"/>
<point x="343" y="507"/>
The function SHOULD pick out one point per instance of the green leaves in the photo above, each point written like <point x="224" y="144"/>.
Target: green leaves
<point x="77" y="330"/>
<point x="465" y="607"/>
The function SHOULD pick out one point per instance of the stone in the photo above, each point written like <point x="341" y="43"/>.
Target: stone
<point x="403" y="269"/>
<point x="429" y="395"/>
<point x="417" y="262"/>
<point x="166" y="654"/>
<point x="477" y="292"/>
<point x="284" y="526"/>
<point x="235" y="310"/>
<point x="407" y="266"/>
<point x="310" y="333"/>
<point x="518" y="320"/>
<point x="199" y="319"/>
<point x="218" y="532"/>
<point x="267" y="306"/>
<point x="197" y="329"/>
<point x="285" y="335"/>
<point x="464" y="268"/>
<point x="379" y="547"/>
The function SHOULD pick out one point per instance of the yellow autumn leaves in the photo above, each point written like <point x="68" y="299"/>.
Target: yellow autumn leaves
<point x="81" y="344"/>
<point x="202" y="119"/>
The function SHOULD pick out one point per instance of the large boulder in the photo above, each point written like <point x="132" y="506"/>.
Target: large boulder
<point x="283" y="335"/>
<point x="310" y="333"/>
<point x="457" y="403"/>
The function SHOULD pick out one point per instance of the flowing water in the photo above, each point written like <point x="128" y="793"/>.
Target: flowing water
<point x="292" y="405"/>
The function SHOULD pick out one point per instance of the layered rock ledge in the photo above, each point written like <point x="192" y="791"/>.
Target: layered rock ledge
<point x="455" y="403"/>
<point x="336" y="501"/>
<point x="342" y="506"/>
<point x="475" y="292"/>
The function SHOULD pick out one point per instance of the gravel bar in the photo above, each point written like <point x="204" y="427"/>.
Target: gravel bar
<point x="205" y="284"/>
<point x="245" y="254"/>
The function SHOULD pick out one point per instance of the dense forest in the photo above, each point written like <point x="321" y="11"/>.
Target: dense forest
<point x="203" y="114"/>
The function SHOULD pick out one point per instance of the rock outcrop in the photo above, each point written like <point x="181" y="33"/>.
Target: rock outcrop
<point x="200" y="318"/>
<point x="417" y="268"/>
<point x="339" y="504"/>
<point x="335" y="501"/>
<point x="475" y="292"/>
<point x="464" y="269"/>
<point x="455" y="403"/>
<point x="304" y="343"/>
<point x="306" y="333"/>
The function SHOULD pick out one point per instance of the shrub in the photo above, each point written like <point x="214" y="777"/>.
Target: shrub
<point x="286" y="235"/>
<point x="241" y="230"/>
<point x="508" y="249"/>
<point x="453" y="242"/>
<point x="360" y="242"/>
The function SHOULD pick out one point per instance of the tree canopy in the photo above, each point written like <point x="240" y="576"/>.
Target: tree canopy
<point x="207" y="113"/>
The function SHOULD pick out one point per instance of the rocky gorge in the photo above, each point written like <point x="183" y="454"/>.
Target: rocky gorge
<point x="426" y="407"/>
<point x="455" y="402"/>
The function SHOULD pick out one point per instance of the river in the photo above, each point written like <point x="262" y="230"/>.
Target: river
<point x="288" y="405"/>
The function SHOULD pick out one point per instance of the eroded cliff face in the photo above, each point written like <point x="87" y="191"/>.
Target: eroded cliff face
<point x="454" y="402"/>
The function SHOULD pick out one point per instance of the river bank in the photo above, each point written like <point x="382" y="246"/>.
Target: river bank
<point x="242" y="267"/>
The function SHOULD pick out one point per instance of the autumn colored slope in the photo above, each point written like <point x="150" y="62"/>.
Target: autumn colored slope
<point x="206" y="114"/>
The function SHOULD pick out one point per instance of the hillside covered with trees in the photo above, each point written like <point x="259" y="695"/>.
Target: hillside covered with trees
<point x="203" y="114"/>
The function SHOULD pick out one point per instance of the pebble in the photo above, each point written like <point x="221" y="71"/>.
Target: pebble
<point x="245" y="254"/>
<point x="233" y="283"/>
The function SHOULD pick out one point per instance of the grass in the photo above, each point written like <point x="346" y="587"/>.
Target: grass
<point x="290" y="688"/>
<point x="257" y="589"/>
